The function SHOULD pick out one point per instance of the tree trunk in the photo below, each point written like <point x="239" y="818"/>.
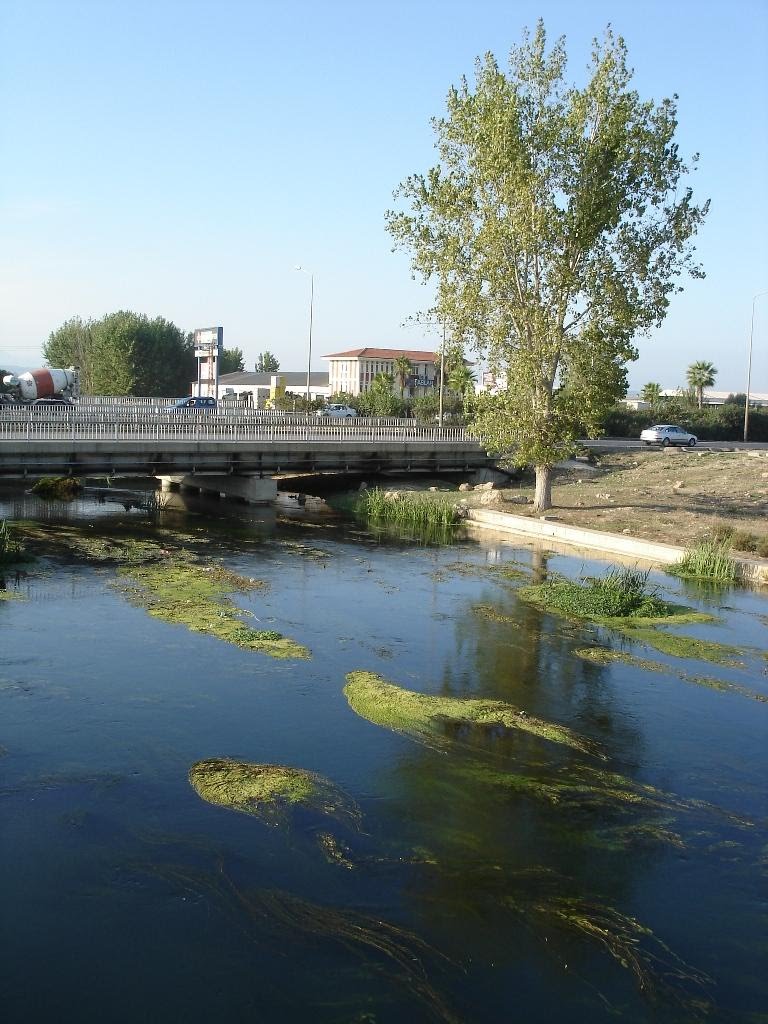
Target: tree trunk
<point x="543" y="497"/>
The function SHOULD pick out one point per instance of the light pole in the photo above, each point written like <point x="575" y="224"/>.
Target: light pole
<point x="749" y="364"/>
<point x="442" y="374"/>
<point x="311" y="313"/>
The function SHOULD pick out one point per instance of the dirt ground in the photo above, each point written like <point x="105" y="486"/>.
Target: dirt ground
<point x="665" y="495"/>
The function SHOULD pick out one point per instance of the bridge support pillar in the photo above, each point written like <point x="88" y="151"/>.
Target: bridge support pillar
<point x="252" y="489"/>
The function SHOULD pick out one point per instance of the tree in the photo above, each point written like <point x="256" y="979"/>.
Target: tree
<point x="554" y="228"/>
<point x="72" y="345"/>
<point x="651" y="394"/>
<point x="461" y="379"/>
<point x="266" y="363"/>
<point x="700" y="375"/>
<point x="379" y="400"/>
<point x="403" y="370"/>
<point x="125" y="353"/>
<point x="231" y="361"/>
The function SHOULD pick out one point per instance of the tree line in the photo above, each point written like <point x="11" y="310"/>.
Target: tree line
<point x="126" y="353"/>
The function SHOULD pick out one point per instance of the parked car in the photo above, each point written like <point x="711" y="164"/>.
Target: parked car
<point x="196" y="402"/>
<point x="666" y="434"/>
<point x="343" y="412"/>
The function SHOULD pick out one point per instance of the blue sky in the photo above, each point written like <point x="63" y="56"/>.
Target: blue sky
<point x="180" y="158"/>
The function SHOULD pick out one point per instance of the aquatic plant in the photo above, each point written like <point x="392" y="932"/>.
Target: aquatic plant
<point x="707" y="560"/>
<point x="267" y="790"/>
<point x="191" y="594"/>
<point x="11" y="547"/>
<point x="423" y="510"/>
<point x="440" y="721"/>
<point x="609" y="656"/>
<point x="621" y="593"/>
<point x="63" y="488"/>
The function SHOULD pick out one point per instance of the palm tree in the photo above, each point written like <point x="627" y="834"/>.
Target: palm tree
<point x="701" y="375"/>
<point x="651" y="394"/>
<point x="461" y="379"/>
<point x="403" y="371"/>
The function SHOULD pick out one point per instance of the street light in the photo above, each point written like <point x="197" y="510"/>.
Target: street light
<point x="311" y="312"/>
<point x="749" y="364"/>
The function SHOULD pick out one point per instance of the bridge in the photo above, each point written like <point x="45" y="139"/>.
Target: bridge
<point x="152" y="440"/>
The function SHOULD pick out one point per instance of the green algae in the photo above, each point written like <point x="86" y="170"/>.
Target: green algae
<point x="334" y="851"/>
<point x="487" y="611"/>
<point x="610" y="656"/>
<point x="194" y="595"/>
<point x="678" y="646"/>
<point x="434" y="720"/>
<point x="267" y="791"/>
<point x="10" y="595"/>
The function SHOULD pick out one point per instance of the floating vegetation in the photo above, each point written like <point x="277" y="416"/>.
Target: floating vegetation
<point x="406" y="508"/>
<point x="62" y="488"/>
<point x="398" y="955"/>
<point x="441" y="721"/>
<point x="268" y="790"/>
<point x="621" y="594"/>
<point x="678" y="646"/>
<point x="609" y="656"/>
<point x="487" y="611"/>
<point x="334" y="851"/>
<point x="708" y="560"/>
<point x="656" y="970"/>
<point x="194" y="595"/>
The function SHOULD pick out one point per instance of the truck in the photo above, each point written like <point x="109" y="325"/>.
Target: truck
<point x="41" y="387"/>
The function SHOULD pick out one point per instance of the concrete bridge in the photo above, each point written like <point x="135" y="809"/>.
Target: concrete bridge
<point x="191" y="445"/>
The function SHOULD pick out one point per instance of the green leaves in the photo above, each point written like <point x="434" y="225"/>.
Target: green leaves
<point x="554" y="228"/>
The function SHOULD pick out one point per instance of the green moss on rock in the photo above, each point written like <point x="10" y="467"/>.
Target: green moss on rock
<point x="435" y="720"/>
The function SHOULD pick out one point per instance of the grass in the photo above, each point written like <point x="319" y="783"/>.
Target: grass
<point x="11" y="549"/>
<point x="406" y="509"/>
<point x="195" y="596"/>
<point x="440" y="721"/>
<point x="707" y="560"/>
<point x="268" y="790"/>
<point x="621" y="594"/>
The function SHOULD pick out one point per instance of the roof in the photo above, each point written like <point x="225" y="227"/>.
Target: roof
<point x="250" y="378"/>
<point x="415" y="355"/>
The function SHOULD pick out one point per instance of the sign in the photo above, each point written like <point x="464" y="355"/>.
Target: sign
<point x="423" y="382"/>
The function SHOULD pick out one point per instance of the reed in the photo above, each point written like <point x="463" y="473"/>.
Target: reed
<point x="10" y="548"/>
<point x="406" y="509"/>
<point x="707" y="560"/>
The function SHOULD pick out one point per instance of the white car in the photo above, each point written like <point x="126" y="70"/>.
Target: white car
<point x="343" y="412"/>
<point x="666" y="434"/>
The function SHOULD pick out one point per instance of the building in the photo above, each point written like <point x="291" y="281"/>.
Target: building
<point x="757" y="399"/>
<point x="353" y="372"/>
<point x="255" y="387"/>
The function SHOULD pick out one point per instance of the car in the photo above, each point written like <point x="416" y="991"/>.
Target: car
<point x="343" y="412"/>
<point x="667" y="434"/>
<point x="196" y="402"/>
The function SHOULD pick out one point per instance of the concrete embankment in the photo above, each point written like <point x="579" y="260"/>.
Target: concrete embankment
<point x="651" y="552"/>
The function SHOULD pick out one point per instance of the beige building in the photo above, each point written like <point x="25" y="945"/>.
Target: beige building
<point x="353" y="371"/>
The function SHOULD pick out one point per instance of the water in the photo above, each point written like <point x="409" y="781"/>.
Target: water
<point x="126" y="897"/>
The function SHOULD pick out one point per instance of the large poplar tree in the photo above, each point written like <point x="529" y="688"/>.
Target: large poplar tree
<point x="555" y="228"/>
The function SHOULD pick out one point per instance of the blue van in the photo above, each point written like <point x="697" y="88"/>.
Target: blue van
<point x="196" y="402"/>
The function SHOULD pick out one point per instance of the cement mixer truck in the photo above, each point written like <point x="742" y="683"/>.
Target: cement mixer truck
<point x="41" y="387"/>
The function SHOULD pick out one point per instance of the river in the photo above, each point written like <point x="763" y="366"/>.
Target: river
<point x="491" y="875"/>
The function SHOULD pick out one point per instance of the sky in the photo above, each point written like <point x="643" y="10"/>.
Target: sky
<point x="180" y="158"/>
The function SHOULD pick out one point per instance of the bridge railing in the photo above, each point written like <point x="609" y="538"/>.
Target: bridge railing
<point x="57" y="423"/>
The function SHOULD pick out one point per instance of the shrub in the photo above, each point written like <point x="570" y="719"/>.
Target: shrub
<point x="743" y="540"/>
<point x="762" y="548"/>
<point x="62" y="487"/>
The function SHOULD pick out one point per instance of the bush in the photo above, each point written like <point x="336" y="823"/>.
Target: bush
<point x="712" y="423"/>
